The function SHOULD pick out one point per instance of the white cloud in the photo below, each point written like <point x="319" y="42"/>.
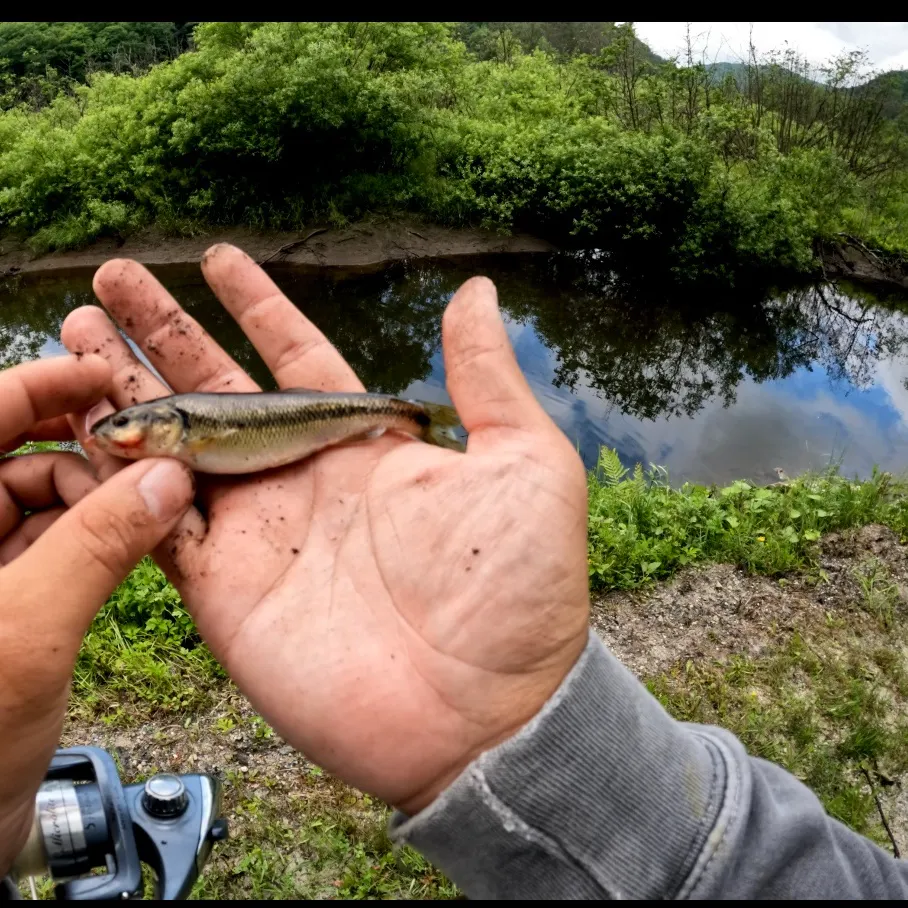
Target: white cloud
<point x="886" y="42"/>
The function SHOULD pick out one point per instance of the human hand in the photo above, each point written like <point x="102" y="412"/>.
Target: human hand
<point x="64" y="546"/>
<point x="391" y="608"/>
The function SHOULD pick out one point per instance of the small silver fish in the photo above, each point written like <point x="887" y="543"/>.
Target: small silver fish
<point x="245" y="433"/>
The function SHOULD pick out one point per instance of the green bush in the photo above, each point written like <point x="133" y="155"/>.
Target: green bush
<point x="143" y="646"/>
<point x="275" y="124"/>
<point x="146" y="604"/>
<point x="265" y="125"/>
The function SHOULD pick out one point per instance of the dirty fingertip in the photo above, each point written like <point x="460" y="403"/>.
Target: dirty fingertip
<point x="218" y="249"/>
<point x="71" y="330"/>
<point x="91" y="366"/>
<point x="109" y="275"/>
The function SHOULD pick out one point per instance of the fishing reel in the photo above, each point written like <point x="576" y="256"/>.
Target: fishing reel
<point x="86" y="819"/>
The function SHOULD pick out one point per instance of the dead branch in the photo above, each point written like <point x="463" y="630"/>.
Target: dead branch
<point x="289" y="247"/>
<point x="879" y="807"/>
<point x="837" y="310"/>
<point x="854" y="241"/>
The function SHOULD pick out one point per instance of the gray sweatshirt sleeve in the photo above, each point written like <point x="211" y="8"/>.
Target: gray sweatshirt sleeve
<point x="604" y="795"/>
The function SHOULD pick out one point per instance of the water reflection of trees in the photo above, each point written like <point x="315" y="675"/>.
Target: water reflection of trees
<point x="848" y="330"/>
<point x="31" y="313"/>
<point x="648" y="354"/>
<point x="387" y="324"/>
<point x="668" y="356"/>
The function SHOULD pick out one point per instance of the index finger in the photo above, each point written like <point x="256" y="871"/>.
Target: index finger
<point x="47" y="388"/>
<point x="177" y="345"/>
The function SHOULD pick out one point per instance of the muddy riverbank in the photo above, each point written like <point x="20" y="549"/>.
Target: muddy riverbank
<point x="366" y="245"/>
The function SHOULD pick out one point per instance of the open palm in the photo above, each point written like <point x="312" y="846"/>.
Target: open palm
<point x="393" y="609"/>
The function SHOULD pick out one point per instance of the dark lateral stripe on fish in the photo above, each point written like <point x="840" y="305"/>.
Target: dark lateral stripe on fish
<point x="318" y="412"/>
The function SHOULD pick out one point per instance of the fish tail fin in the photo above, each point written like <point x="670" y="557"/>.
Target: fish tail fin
<point x="443" y="421"/>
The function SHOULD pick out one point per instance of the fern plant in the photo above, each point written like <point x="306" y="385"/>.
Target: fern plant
<point x="611" y="470"/>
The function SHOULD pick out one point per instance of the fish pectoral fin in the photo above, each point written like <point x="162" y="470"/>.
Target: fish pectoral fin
<point x="202" y="442"/>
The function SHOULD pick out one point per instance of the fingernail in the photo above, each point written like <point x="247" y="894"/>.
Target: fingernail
<point x="214" y="250"/>
<point x="98" y="411"/>
<point x="166" y="489"/>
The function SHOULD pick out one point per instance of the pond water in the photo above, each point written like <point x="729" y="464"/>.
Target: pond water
<point x="713" y="389"/>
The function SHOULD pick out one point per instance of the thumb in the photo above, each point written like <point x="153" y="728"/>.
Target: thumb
<point x="74" y="566"/>
<point x="486" y="384"/>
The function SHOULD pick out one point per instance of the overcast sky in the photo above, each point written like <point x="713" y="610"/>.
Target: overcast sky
<point x="887" y="42"/>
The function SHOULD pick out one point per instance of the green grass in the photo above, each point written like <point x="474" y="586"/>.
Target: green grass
<point x="880" y="595"/>
<point x="642" y="529"/>
<point x="325" y="842"/>
<point x="826" y="704"/>
<point x="143" y="650"/>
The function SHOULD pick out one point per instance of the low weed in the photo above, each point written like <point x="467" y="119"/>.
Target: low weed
<point x="643" y="529"/>
<point x="325" y="841"/>
<point x="880" y="595"/>
<point x="143" y="648"/>
<point x="825" y="707"/>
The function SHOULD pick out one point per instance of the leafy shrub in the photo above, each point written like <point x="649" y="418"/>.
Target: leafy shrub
<point x="275" y="124"/>
<point x="642" y="529"/>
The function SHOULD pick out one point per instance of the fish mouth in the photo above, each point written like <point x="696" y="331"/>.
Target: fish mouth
<point x="99" y="424"/>
<point x="129" y="443"/>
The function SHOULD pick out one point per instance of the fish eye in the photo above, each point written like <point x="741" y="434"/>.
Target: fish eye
<point x="119" y="420"/>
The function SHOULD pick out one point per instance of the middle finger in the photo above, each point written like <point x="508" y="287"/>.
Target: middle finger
<point x="296" y="352"/>
<point x="39" y="481"/>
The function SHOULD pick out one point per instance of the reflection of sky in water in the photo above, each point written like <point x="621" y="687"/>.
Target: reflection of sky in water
<point x="798" y="423"/>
